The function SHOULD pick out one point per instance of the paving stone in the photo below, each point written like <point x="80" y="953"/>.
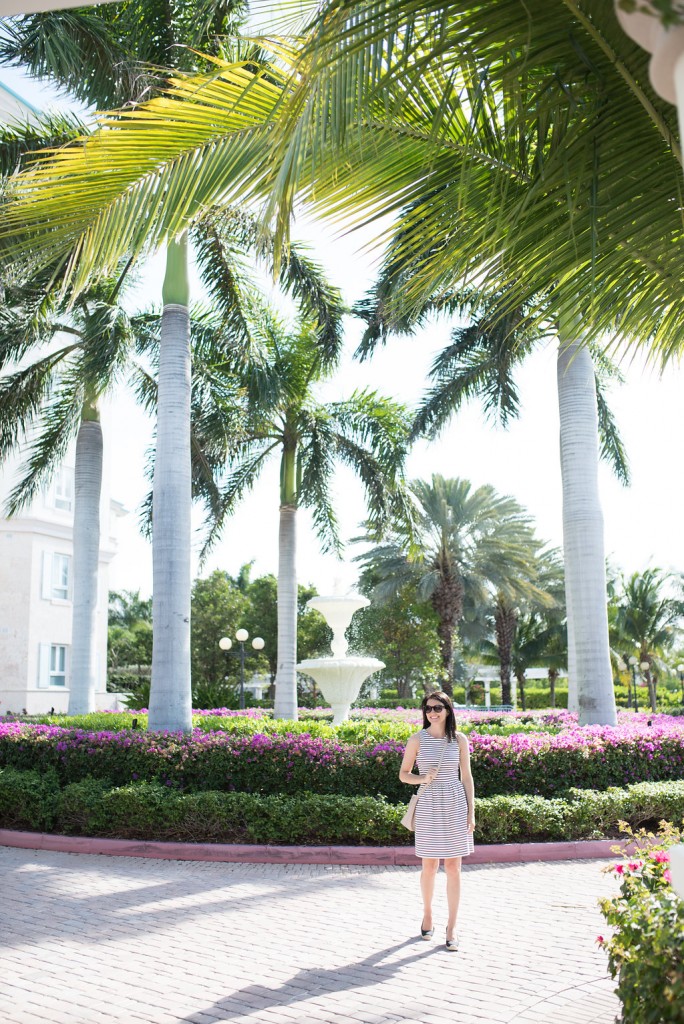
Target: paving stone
<point x="94" y="940"/>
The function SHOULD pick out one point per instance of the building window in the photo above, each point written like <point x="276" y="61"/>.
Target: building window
<point x="56" y="576"/>
<point x="62" y="490"/>
<point x="52" y="668"/>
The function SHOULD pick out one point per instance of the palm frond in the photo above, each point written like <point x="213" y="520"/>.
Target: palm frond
<point x="241" y="479"/>
<point x="612" y="446"/>
<point x="60" y="422"/>
<point x="158" y="168"/>
<point x="19" y="142"/>
<point x="316" y="468"/>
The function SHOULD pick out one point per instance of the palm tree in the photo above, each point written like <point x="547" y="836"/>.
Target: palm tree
<point x="113" y="45"/>
<point x="283" y="418"/>
<point x="480" y="362"/>
<point x="127" y="608"/>
<point x="545" y="133"/>
<point x="460" y="543"/>
<point x="648" y="620"/>
<point x="539" y="591"/>
<point x="537" y="642"/>
<point x="50" y="398"/>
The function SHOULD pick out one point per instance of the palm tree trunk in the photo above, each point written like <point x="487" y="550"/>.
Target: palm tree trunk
<point x="585" y="566"/>
<point x="170" y="695"/>
<point x="573" y="704"/>
<point x="553" y="676"/>
<point x="286" y="677"/>
<point x="505" y="621"/>
<point x="521" y="690"/>
<point x="87" y="492"/>
<point x="447" y="601"/>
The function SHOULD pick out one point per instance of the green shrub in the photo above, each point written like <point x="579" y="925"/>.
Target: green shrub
<point x="151" y="810"/>
<point x="646" y="949"/>
<point x="28" y="799"/>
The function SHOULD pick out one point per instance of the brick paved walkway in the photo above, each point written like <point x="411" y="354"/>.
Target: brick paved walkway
<point x="89" y="940"/>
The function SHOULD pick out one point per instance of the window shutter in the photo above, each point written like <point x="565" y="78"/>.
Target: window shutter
<point x="43" y="664"/>
<point x="46" y="585"/>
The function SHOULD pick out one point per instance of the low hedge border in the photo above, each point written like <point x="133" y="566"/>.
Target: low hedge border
<point x="147" y="810"/>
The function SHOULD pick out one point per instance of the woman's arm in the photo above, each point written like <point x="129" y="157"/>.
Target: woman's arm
<point x="467" y="778"/>
<point x="406" y="771"/>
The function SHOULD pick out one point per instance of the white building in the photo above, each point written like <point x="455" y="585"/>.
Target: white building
<point x="36" y="556"/>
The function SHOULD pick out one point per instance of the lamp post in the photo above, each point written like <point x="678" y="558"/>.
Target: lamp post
<point x="622" y="667"/>
<point x="645" y="667"/>
<point x="633" y="661"/>
<point x="225" y="643"/>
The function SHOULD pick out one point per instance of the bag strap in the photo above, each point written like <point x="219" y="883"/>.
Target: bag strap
<point x="423" y="785"/>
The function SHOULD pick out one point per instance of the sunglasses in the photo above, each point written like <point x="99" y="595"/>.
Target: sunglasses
<point x="437" y="708"/>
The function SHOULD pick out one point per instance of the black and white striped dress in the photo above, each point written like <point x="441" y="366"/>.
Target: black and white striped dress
<point x="442" y="810"/>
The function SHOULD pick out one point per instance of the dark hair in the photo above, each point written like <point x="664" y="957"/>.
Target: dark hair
<point x="445" y="699"/>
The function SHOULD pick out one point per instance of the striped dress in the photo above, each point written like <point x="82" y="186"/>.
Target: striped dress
<point x="442" y="810"/>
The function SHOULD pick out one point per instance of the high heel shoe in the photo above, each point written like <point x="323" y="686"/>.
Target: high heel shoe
<point x="426" y="933"/>
<point x="452" y="944"/>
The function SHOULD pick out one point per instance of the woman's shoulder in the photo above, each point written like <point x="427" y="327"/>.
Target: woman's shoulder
<point x="461" y="739"/>
<point x="415" y="736"/>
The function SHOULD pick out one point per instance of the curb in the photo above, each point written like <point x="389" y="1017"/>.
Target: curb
<point x="397" y="856"/>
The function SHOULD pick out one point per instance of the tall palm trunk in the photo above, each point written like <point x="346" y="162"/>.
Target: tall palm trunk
<point x="505" y="622"/>
<point x="170" y="695"/>
<point x="521" y="690"/>
<point x="285" y="705"/>
<point x="87" y="492"/>
<point x="447" y="601"/>
<point x="585" y="566"/>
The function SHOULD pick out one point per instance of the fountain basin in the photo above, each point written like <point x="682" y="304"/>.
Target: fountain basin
<point x="338" y="613"/>
<point x="340" y="679"/>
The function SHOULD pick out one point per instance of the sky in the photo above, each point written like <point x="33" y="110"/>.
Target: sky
<point x="643" y="523"/>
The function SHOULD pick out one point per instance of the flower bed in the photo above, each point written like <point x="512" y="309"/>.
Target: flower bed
<point x="646" y="949"/>
<point x="533" y="763"/>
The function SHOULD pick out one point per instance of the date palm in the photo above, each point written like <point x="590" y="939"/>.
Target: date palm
<point x="462" y="544"/>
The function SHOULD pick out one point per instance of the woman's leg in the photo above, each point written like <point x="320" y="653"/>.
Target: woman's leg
<point x="427" y="888"/>
<point x="452" y="867"/>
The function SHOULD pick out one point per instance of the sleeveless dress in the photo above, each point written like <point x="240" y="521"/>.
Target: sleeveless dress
<point x="442" y="810"/>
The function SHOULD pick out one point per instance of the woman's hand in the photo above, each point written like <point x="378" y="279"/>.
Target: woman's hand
<point x="430" y="776"/>
<point x="471" y="822"/>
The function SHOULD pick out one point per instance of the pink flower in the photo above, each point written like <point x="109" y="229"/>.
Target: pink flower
<point x="667" y="875"/>
<point x="600" y="940"/>
<point x="661" y="857"/>
<point x="634" y="865"/>
<point x="619" y="868"/>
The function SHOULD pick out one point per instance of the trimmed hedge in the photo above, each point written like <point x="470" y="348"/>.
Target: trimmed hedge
<point x="148" y="810"/>
<point x="535" y="763"/>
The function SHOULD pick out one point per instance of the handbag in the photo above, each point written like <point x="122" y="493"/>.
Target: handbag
<point x="409" y="819"/>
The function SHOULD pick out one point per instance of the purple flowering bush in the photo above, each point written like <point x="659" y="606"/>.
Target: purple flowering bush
<point x="535" y="763"/>
<point x="206" y="761"/>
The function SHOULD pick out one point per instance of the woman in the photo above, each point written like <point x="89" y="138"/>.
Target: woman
<point x="445" y="812"/>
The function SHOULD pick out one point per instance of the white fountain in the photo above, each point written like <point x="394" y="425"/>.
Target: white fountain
<point x="339" y="678"/>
